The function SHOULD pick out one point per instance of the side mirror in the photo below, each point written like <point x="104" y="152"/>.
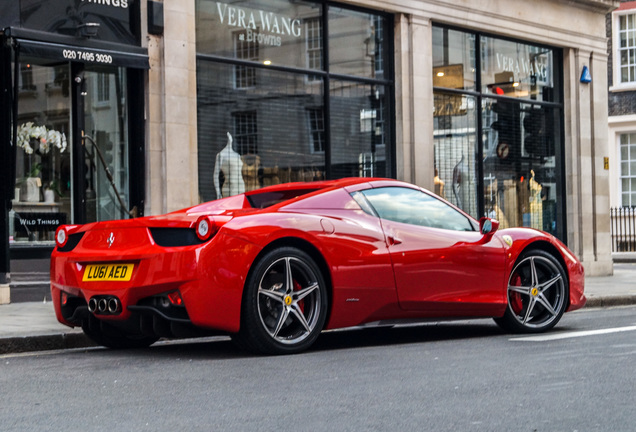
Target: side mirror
<point x="488" y="226"/>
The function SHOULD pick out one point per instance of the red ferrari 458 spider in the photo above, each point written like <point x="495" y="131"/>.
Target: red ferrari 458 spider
<point x="275" y="266"/>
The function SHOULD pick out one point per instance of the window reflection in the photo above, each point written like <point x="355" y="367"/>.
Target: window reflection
<point x="516" y="119"/>
<point x="416" y="208"/>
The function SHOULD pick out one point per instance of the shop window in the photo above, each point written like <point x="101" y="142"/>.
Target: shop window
<point x="317" y="129"/>
<point x="453" y="59"/>
<point x="279" y="29"/>
<point x="282" y="128"/>
<point x="357" y="43"/>
<point x="498" y="130"/>
<point x="268" y="124"/>
<point x="628" y="170"/>
<point x="355" y="110"/>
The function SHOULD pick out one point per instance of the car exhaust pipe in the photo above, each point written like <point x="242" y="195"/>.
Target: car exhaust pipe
<point x="113" y="305"/>
<point x="92" y="305"/>
<point x="102" y="305"/>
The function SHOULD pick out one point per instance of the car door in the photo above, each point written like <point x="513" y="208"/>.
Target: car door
<point x="440" y="261"/>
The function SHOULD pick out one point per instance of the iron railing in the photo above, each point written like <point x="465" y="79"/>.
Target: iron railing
<point x="623" y="223"/>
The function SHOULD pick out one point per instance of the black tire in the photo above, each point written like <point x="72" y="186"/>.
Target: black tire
<point x="284" y="303"/>
<point x="106" y="335"/>
<point x="537" y="294"/>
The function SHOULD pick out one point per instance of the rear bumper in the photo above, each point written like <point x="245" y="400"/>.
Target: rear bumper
<point x="209" y="279"/>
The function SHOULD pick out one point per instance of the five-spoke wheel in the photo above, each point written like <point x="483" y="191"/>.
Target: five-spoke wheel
<point x="285" y="303"/>
<point x="537" y="293"/>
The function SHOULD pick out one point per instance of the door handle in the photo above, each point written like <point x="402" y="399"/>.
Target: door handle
<point x="393" y="241"/>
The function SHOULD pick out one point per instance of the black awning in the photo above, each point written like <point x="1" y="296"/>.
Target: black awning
<point x="133" y="58"/>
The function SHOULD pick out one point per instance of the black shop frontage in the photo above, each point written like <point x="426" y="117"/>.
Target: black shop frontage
<point x="72" y="78"/>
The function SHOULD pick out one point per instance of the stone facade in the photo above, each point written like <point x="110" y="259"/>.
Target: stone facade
<point x="171" y="100"/>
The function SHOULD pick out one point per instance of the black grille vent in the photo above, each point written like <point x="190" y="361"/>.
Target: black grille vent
<point x="72" y="241"/>
<point x="174" y="237"/>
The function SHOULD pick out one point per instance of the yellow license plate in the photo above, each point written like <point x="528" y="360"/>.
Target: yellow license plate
<point x="108" y="272"/>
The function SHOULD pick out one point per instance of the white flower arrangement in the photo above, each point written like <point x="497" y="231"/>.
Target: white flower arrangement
<point x="45" y="137"/>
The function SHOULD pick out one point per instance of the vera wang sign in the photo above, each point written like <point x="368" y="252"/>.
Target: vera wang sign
<point x="522" y="66"/>
<point x="262" y="27"/>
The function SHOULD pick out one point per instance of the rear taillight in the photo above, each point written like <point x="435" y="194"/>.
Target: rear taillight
<point x="205" y="228"/>
<point x="61" y="236"/>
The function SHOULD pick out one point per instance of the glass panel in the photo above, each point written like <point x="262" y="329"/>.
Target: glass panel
<point x="454" y="63"/>
<point x="43" y="183"/>
<point x="625" y="185"/>
<point x="518" y="70"/>
<point x="632" y="184"/>
<point x="632" y="168"/>
<point x="272" y="135"/>
<point x="455" y="148"/>
<point x="417" y="208"/>
<point x="623" y="39"/>
<point x="106" y="122"/>
<point x="522" y="181"/>
<point x="280" y="32"/>
<point x="625" y="200"/>
<point x="625" y="169"/>
<point x="359" y="130"/>
<point x="632" y="152"/>
<point x="357" y="43"/>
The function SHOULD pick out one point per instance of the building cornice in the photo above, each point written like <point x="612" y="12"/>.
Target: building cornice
<point x="602" y="6"/>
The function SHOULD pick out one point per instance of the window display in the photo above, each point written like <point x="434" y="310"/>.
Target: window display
<point x="263" y="76"/>
<point x="499" y="149"/>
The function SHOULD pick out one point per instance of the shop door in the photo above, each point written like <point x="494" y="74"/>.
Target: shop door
<point x="103" y="133"/>
<point x="72" y="155"/>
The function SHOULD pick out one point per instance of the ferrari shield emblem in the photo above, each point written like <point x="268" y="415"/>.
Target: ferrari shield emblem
<point x="507" y="239"/>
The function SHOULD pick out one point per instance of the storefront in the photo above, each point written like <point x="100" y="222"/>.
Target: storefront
<point x="292" y="91"/>
<point x="72" y="126"/>
<point x="498" y="105"/>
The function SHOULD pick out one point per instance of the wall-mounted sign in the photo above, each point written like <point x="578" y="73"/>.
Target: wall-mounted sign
<point x="115" y="20"/>
<point x="26" y="223"/>
<point x="262" y="27"/>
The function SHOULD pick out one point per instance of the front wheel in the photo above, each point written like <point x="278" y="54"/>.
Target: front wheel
<point x="537" y="294"/>
<point x="284" y="304"/>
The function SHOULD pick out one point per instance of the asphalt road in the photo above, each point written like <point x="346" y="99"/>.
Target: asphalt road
<point x="465" y="376"/>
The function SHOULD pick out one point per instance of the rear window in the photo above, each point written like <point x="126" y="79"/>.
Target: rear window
<point x="268" y="199"/>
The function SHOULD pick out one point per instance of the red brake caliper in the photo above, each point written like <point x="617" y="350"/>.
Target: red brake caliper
<point x="516" y="302"/>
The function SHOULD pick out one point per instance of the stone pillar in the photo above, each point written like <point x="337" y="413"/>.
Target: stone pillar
<point x="586" y="144"/>
<point x="414" y="104"/>
<point x="172" y="146"/>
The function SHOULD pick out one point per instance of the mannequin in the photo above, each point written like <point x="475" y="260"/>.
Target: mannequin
<point x="250" y="171"/>
<point x="230" y="164"/>
<point x="536" y="203"/>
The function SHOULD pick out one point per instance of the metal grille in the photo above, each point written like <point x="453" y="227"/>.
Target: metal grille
<point x="623" y="223"/>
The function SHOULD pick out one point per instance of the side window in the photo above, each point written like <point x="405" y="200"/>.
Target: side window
<point x="414" y="207"/>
